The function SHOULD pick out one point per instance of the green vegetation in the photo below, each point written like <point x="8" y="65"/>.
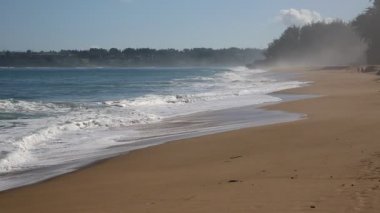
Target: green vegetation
<point x="317" y="44"/>
<point x="335" y="43"/>
<point x="130" y="57"/>
<point x="367" y="25"/>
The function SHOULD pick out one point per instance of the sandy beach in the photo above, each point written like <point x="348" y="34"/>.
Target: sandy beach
<point x="329" y="162"/>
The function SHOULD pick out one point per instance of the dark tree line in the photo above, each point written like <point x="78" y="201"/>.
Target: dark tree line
<point x="368" y="26"/>
<point x="319" y="43"/>
<point x="336" y="43"/>
<point x="131" y="57"/>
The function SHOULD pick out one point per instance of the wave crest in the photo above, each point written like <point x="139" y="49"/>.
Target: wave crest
<point x="19" y="106"/>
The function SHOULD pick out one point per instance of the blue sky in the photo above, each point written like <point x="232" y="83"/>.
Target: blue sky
<point x="81" y="24"/>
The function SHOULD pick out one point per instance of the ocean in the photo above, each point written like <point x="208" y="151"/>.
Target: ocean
<point x="56" y="120"/>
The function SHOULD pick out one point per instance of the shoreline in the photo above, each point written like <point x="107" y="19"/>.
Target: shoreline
<point x="264" y="118"/>
<point x="267" y="176"/>
<point x="175" y="128"/>
<point x="278" y="117"/>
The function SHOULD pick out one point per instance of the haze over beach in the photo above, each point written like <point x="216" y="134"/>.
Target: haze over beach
<point x="189" y="106"/>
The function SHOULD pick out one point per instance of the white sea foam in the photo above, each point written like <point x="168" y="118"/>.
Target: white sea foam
<point x="235" y="87"/>
<point x="11" y="105"/>
<point x="72" y="131"/>
<point x="74" y="122"/>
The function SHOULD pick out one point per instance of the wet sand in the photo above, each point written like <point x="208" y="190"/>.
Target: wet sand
<point x="329" y="162"/>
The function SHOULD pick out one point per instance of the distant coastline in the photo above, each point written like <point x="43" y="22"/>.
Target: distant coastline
<point x="129" y="57"/>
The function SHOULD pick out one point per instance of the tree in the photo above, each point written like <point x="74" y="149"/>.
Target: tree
<point x="367" y="25"/>
<point x="320" y="43"/>
<point x="288" y="43"/>
<point x="132" y="57"/>
<point x="114" y="52"/>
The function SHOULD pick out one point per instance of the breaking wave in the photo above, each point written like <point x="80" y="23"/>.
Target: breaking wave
<point x="71" y="126"/>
